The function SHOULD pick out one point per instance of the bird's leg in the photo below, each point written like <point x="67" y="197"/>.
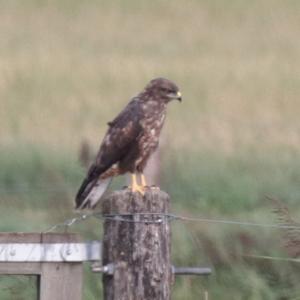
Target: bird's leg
<point x="135" y="187"/>
<point x="143" y="180"/>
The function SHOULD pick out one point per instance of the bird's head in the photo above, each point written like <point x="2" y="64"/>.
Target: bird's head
<point x="163" y="89"/>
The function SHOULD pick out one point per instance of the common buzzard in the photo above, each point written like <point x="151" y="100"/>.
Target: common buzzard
<point x="130" y="140"/>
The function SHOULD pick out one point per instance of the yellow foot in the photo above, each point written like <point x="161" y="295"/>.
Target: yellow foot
<point x="143" y="180"/>
<point x="136" y="187"/>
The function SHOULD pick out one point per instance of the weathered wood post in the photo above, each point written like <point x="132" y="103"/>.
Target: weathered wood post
<point x="136" y="243"/>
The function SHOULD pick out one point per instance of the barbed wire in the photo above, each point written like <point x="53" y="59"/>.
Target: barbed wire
<point x="125" y="217"/>
<point x="171" y="217"/>
<point x="68" y="223"/>
<point x="267" y="257"/>
<point x="158" y="218"/>
<point x="241" y="223"/>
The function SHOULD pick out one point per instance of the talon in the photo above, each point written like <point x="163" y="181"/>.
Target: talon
<point x="139" y="189"/>
<point x="143" y="180"/>
<point x="136" y="187"/>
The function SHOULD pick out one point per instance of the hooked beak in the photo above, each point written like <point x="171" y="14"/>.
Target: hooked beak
<point x="179" y="96"/>
<point x="176" y="96"/>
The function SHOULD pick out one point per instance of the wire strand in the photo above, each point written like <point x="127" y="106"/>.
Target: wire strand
<point x="241" y="223"/>
<point x="68" y="223"/>
<point x="278" y="258"/>
<point x="171" y="217"/>
<point x="160" y="217"/>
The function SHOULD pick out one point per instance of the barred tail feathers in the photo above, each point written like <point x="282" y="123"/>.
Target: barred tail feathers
<point x="90" y="193"/>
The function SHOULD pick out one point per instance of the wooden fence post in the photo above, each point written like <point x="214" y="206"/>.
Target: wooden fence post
<point x="61" y="280"/>
<point x="136" y="243"/>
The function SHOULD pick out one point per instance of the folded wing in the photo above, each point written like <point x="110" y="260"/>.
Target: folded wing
<point x="122" y="134"/>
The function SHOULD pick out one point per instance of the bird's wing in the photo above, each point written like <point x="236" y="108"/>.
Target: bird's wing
<point x="121" y="135"/>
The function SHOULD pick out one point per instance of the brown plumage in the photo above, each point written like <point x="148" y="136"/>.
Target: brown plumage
<point x="130" y="140"/>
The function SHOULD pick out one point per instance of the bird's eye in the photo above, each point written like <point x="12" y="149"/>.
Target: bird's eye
<point x="164" y="89"/>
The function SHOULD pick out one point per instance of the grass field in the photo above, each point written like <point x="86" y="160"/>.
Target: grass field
<point x="67" y="67"/>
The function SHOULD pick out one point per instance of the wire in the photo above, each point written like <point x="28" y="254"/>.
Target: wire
<point x="241" y="223"/>
<point x="160" y="217"/>
<point x="124" y="217"/>
<point x="68" y="223"/>
<point x="297" y="260"/>
<point x="171" y="217"/>
<point x="136" y="217"/>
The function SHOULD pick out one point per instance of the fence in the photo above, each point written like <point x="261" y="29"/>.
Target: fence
<point x="56" y="259"/>
<point x="135" y="254"/>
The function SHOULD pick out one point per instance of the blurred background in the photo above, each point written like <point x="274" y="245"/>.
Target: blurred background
<point x="67" y="67"/>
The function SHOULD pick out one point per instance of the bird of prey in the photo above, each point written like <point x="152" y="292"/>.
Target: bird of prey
<point x="130" y="140"/>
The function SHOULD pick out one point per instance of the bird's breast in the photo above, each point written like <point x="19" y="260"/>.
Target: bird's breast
<point x="151" y="131"/>
<point x="153" y="125"/>
<point x="149" y="139"/>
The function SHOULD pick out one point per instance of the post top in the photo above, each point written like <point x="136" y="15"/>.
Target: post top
<point x="125" y="201"/>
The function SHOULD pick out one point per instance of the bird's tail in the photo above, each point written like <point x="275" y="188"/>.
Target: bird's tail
<point x="91" y="192"/>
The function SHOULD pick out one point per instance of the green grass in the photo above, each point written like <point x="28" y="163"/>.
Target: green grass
<point x="40" y="187"/>
<point x="18" y="287"/>
<point x="233" y="183"/>
<point x="67" y="67"/>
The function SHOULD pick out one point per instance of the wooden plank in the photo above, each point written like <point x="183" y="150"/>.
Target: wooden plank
<point x="51" y="237"/>
<point x="61" y="281"/>
<point x="20" y="237"/>
<point x="20" y="268"/>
